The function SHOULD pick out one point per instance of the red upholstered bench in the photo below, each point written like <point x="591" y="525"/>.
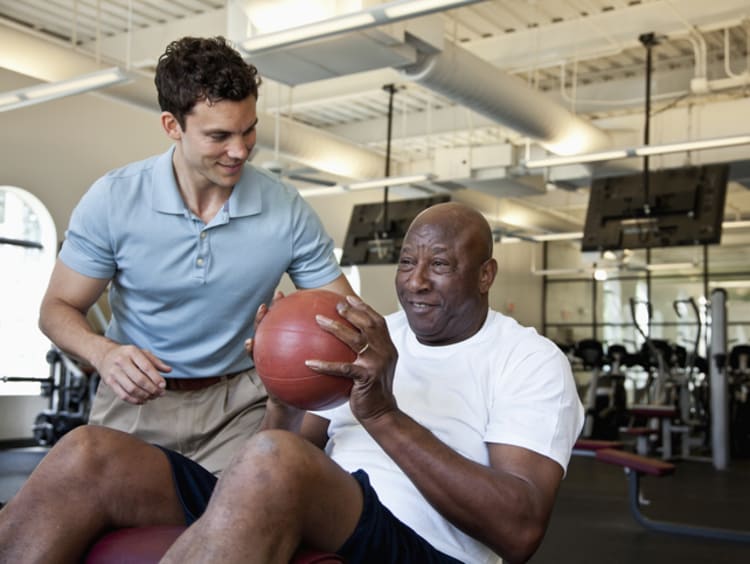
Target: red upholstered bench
<point x="647" y="410"/>
<point x="589" y="447"/>
<point x="635" y="462"/>
<point x="596" y="444"/>
<point x="146" y="545"/>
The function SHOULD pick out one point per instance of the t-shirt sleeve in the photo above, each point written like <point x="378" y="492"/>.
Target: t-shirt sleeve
<point x="535" y="404"/>
<point x="313" y="262"/>
<point x="88" y="248"/>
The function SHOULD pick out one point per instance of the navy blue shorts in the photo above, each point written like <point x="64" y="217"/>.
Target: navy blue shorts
<point x="379" y="537"/>
<point x="194" y="484"/>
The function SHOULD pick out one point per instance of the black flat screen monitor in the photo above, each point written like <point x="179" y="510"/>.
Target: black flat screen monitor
<point x="685" y="207"/>
<point x="371" y="238"/>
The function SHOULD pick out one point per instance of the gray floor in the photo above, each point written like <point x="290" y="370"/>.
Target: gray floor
<point x="15" y="466"/>
<point x="592" y="522"/>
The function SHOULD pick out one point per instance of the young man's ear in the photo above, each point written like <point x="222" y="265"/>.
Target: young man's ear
<point x="171" y="126"/>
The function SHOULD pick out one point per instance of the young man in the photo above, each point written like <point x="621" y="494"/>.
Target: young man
<point x="191" y="242"/>
<point x="451" y="448"/>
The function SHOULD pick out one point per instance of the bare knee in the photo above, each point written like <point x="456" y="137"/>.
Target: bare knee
<point x="281" y="485"/>
<point x="71" y="472"/>
<point x="89" y="451"/>
<point x="278" y="448"/>
<point x="274" y="458"/>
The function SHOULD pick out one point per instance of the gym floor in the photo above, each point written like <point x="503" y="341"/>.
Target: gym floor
<point x="15" y="465"/>
<point x="591" y="522"/>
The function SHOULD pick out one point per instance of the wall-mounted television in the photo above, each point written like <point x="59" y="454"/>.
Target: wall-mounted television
<point x="685" y="207"/>
<point x="374" y="238"/>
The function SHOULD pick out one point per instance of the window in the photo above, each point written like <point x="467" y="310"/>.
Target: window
<point x="28" y="247"/>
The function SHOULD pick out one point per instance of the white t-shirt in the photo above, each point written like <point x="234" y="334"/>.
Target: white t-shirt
<point x="506" y="384"/>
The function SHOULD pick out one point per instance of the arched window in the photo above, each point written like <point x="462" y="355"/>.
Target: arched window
<point x="28" y="247"/>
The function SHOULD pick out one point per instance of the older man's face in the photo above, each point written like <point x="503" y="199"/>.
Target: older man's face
<point x="438" y="284"/>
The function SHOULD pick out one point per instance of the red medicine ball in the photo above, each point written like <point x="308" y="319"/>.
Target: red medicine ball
<point x="287" y="336"/>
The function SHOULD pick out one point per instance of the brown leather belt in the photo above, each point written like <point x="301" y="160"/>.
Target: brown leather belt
<point x="192" y="384"/>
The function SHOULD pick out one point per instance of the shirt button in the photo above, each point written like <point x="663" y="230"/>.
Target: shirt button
<point x="199" y="262"/>
<point x="203" y="234"/>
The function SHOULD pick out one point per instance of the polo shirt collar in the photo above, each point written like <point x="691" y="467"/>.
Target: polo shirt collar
<point x="244" y="200"/>
<point x="166" y="196"/>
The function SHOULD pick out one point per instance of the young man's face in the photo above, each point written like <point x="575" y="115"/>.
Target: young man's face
<point x="217" y="140"/>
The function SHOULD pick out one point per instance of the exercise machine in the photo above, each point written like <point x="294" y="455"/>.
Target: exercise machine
<point x="739" y="401"/>
<point x="69" y="389"/>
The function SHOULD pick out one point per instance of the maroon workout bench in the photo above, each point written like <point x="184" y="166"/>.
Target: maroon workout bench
<point x="635" y="466"/>
<point x="146" y="545"/>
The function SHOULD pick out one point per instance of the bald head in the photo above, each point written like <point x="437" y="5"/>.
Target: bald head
<point x="457" y="219"/>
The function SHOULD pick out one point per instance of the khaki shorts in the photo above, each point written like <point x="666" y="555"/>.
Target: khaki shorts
<point x="208" y="426"/>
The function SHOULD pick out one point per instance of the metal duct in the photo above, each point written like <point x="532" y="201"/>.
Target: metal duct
<point x="318" y="149"/>
<point x="477" y="84"/>
<point x="32" y="56"/>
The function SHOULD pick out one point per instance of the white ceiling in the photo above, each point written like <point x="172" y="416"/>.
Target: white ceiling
<point x="584" y="56"/>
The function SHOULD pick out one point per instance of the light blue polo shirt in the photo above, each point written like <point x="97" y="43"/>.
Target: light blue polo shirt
<point x="186" y="290"/>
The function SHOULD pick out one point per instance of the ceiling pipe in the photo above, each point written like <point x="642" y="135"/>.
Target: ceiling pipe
<point x="320" y="150"/>
<point x="38" y="58"/>
<point x="477" y="84"/>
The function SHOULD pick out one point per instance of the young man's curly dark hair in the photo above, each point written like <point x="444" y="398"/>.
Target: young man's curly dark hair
<point x="193" y="69"/>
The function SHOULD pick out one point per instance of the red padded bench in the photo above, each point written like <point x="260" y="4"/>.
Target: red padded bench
<point x="637" y="463"/>
<point x="146" y="545"/>
<point x="647" y="410"/>
<point x="588" y="447"/>
<point x="596" y="444"/>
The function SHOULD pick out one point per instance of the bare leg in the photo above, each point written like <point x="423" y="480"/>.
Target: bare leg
<point x="94" y="479"/>
<point x="279" y="492"/>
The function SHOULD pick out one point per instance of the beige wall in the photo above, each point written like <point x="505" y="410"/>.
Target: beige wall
<point x="57" y="149"/>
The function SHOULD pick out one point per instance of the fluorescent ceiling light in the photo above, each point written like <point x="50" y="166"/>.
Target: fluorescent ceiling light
<point x="421" y="7"/>
<point x="578" y="159"/>
<point x="9" y="98"/>
<point x="641" y="151"/>
<point x="573" y="235"/>
<point x="366" y="185"/>
<point x="376" y="15"/>
<point x="322" y="191"/>
<point x="692" y="145"/>
<point x="388" y="181"/>
<point x="309" y="31"/>
<point x="55" y="90"/>
<point x="558" y="236"/>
